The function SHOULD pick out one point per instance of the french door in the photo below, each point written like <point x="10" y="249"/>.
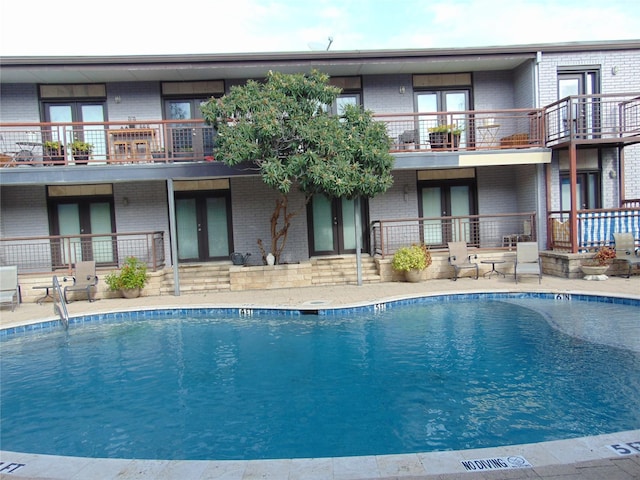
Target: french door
<point x="78" y="111"/>
<point x="332" y="227"/>
<point x="583" y="119"/>
<point x="455" y="199"/>
<point x="442" y="101"/>
<point x="73" y="217"/>
<point x="203" y="223"/>
<point x="587" y="191"/>
<point x="189" y="139"/>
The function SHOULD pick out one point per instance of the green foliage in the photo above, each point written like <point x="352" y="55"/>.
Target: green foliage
<point x="78" y="147"/>
<point x="455" y="129"/>
<point x="52" y="145"/>
<point x="132" y="275"/>
<point x="415" y="257"/>
<point x="283" y="126"/>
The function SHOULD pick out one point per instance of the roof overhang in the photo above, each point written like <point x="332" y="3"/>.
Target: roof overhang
<point x="256" y="65"/>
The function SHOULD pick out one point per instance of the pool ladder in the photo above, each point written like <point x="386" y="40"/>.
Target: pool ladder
<point x="59" y="306"/>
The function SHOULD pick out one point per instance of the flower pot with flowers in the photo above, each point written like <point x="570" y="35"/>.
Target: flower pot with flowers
<point x="595" y="267"/>
<point x="412" y="261"/>
<point x="81" y="151"/>
<point x="445" y="136"/>
<point x="54" y="151"/>
<point x="131" y="278"/>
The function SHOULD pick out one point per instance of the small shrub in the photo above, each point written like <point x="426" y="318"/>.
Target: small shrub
<point x="132" y="275"/>
<point x="415" y="257"/>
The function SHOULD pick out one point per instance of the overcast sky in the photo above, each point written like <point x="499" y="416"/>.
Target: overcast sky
<point x="135" y="27"/>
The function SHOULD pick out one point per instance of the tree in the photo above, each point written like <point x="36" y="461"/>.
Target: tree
<point x="283" y="127"/>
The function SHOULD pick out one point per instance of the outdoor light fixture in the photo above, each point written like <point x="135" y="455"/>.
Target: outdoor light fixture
<point x="117" y="99"/>
<point x="125" y="201"/>
<point x="402" y="90"/>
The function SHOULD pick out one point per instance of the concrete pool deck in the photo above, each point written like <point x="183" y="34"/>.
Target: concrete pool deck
<point x="588" y="458"/>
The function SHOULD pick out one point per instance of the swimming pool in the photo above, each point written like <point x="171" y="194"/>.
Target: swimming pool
<point x="438" y="373"/>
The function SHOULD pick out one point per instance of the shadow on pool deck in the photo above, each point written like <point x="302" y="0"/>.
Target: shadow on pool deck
<point x="585" y="458"/>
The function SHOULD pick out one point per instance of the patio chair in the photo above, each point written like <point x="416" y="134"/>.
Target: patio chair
<point x="626" y="250"/>
<point x="528" y="260"/>
<point x="84" y="279"/>
<point x="9" y="288"/>
<point x="460" y="259"/>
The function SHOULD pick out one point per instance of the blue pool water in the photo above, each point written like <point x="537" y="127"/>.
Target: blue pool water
<point x="401" y="378"/>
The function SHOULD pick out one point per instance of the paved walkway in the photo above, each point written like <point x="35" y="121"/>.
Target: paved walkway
<point x="585" y="458"/>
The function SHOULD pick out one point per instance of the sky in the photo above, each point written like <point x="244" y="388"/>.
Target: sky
<point x="136" y="27"/>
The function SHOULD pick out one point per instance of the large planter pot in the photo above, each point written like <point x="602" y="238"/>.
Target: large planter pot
<point x="81" y="159"/>
<point x="594" y="272"/>
<point x="444" y="140"/>
<point x="130" y="292"/>
<point x="413" y="275"/>
<point x="54" y="156"/>
<point x="439" y="139"/>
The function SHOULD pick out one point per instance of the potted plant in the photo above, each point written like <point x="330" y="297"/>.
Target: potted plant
<point x="81" y="151"/>
<point x="412" y="261"/>
<point x="131" y="278"/>
<point x="595" y="267"/>
<point x="444" y="136"/>
<point x="54" y="150"/>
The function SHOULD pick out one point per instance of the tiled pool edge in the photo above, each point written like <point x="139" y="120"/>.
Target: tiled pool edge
<point x="169" y="311"/>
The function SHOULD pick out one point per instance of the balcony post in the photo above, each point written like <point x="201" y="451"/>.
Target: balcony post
<point x="573" y="214"/>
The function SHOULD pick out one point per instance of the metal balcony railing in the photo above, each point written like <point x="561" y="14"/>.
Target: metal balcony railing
<point x="61" y="252"/>
<point x="465" y="130"/>
<point x="593" y="119"/>
<point x="581" y="118"/>
<point x="110" y="143"/>
<point x="500" y="231"/>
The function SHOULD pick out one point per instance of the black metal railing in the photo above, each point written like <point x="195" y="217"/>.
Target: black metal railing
<point x="61" y="252"/>
<point x="498" y="231"/>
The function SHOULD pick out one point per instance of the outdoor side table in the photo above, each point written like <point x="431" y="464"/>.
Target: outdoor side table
<point x="493" y="268"/>
<point x="46" y="295"/>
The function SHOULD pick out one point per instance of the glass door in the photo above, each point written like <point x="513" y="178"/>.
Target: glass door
<point x="189" y="140"/>
<point x="203" y="227"/>
<point x="442" y="101"/>
<point x="582" y="116"/>
<point x="78" y="111"/>
<point x="333" y="227"/>
<point x="447" y="200"/>
<point x="73" y="218"/>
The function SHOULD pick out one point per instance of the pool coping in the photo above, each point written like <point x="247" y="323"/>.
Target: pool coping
<point x="538" y="455"/>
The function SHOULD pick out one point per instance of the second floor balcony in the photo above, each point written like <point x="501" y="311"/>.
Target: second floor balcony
<point x="602" y="119"/>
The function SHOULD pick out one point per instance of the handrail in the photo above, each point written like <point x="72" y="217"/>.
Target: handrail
<point x="59" y="306"/>
<point x="44" y="254"/>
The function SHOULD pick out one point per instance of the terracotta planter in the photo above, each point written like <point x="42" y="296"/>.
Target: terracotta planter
<point x="130" y="292"/>
<point x="413" y="275"/>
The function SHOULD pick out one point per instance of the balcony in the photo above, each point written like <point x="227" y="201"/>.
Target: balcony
<point x="613" y="119"/>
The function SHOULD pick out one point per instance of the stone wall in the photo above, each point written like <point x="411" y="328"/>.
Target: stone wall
<point x="265" y="277"/>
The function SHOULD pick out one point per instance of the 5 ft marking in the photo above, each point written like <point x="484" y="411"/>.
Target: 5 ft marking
<point x="626" y="448"/>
